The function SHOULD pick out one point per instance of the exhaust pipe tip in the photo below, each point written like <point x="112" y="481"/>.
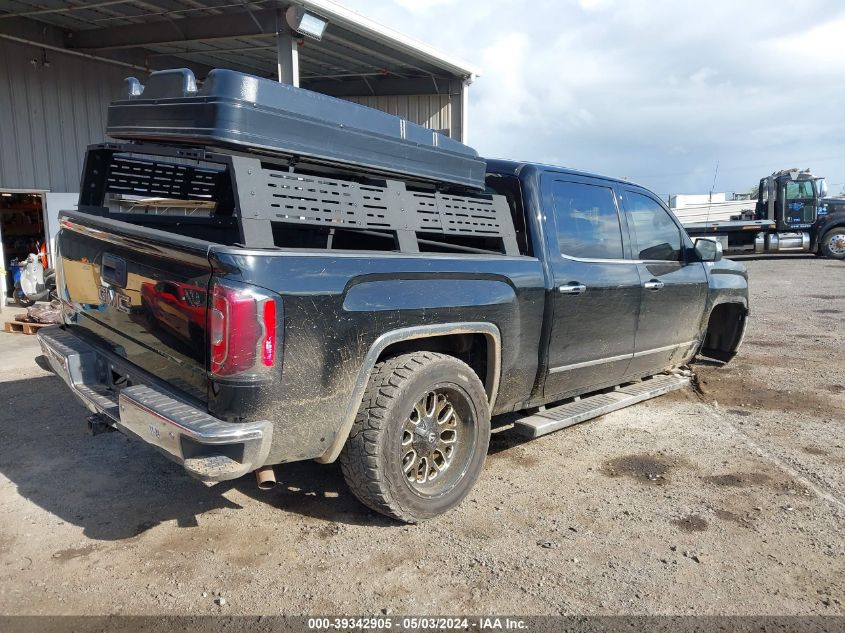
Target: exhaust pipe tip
<point x="266" y="478"/>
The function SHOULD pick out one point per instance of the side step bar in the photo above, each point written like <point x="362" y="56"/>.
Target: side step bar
<point x="598" y="404"/>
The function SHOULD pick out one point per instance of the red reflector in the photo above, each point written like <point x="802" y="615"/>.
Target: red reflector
<point x="268" y="348"/>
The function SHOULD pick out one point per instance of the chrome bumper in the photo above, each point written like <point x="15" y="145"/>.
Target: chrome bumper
<point x="209" y="449"/>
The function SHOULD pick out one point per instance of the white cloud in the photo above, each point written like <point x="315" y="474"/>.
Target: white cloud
<point x="701" y="75"/>
<point x="657" y="90"/>
<point x="822" y="47"/>
<point x="425" y="6"/>
<point x="594" y="5"/>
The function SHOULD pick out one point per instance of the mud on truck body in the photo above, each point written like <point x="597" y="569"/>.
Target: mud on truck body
<point x="344" y="285"/>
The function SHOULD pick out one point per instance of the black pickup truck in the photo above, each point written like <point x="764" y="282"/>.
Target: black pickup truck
<point x="238" y="306"/>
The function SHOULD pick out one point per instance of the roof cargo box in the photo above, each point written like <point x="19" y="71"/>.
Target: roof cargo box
<point x="233" y="109"/>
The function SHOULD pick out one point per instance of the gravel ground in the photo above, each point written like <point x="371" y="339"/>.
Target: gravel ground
<point x="727" y="500"/>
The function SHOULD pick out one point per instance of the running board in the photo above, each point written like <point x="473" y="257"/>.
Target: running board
<point x="599" y="404"/>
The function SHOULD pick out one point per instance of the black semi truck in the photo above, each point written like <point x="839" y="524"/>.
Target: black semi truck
<point x="792" y="214"/>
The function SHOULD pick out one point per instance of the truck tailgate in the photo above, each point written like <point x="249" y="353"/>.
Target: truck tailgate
<point x="140" y="293"/>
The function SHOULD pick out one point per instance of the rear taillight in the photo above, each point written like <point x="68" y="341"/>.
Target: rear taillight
<point x="241" y="331"/>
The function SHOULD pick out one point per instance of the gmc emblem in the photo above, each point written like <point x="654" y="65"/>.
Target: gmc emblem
<point x="115" y="299"/>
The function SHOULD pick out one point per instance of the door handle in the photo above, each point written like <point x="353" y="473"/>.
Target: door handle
<point x="573" y="289"/>
<point x="653" y="285"/>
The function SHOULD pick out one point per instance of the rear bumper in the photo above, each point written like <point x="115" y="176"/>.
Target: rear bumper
<point x="209" y="449"/>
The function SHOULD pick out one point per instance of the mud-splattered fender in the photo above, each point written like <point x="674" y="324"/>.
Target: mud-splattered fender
<point x="728" y="283"/>
<point x="494" y="362"/>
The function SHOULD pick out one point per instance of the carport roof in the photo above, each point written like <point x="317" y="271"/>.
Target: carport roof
<point x="241" y="35"/>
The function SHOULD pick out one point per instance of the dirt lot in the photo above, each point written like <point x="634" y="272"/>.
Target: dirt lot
<point x="731" y="501"/>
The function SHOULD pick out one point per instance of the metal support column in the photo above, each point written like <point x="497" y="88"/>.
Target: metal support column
<point x="465" y="111"/>
<point x="458" y="106"/>
<point x="287" y="52"/>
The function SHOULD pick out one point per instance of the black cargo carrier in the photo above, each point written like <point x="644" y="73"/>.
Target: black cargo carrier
<point x="246" y="112"/>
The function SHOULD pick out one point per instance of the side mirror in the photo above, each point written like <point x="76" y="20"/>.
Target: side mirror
<point x="708" y="250"/>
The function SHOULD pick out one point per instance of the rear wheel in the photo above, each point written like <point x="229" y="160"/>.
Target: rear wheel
<point x="420" y="437"/>
<point x="833" y="243"/>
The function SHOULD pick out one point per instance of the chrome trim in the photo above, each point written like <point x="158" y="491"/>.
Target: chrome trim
<point x="596" y="260"/>
<point x="666" y="348"/>
<point x="574" y="289"/>
<point x="150" y="412"/>
<point x="188" y="251"/>
<point x="590" y="363"/>
<point x="613" y="359"/>
<point x="491" y="384"/>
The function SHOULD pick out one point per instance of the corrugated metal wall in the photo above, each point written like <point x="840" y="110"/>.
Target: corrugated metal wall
<point x="432" y="111"/>
<point x="48" y="115"/>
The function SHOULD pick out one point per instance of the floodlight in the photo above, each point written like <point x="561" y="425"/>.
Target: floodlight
<point x="305" y="23"/>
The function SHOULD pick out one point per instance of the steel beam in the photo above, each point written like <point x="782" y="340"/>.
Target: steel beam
<point x="287" y="53"/>
<point x="381" y="86"/>
<point x="212" y="27"/>
<point x="65" y="9"/>
<point x="324" y="53"/>
<point x="34" y="33"/>
<point x="458" y="101"/>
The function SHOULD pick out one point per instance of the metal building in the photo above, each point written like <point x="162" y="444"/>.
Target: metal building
<point x="63" y="61"/>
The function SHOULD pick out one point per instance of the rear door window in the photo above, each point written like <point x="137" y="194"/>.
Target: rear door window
<point x="654" y="234"/>
<point x="587" y="221"/>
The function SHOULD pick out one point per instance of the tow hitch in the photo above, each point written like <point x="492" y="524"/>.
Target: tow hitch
<point x="97" y="424"/>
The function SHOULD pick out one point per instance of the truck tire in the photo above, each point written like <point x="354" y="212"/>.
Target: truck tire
<point x="420" y="438"/>
<point x="833" y="243"/>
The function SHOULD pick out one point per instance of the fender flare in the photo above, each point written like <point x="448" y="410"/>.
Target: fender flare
<point x="491" y="382"/>
<point x="738" y="300"/>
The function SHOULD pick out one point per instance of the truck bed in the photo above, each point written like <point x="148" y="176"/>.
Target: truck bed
<point x="333" y="309"/>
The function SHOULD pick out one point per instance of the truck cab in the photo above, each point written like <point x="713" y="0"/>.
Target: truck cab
<point x="790" y="198"/>
<point x="622" y="271"/>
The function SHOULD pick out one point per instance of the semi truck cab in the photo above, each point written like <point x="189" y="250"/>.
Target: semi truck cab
<point x="791" y="214"/>
<point x="791" y="199"/>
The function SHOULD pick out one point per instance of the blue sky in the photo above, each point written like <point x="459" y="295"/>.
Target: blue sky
<point x="656" y="91"/>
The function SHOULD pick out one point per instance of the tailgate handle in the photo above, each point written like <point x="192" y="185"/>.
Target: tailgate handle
<point x="113" y="270"/>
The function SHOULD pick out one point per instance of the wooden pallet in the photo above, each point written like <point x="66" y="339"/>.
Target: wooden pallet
<point x="20" y="327"/>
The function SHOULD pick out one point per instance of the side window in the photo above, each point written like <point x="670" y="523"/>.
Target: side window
<point x="654" y="233"/>
<point x="799" y="190"/>
<point x="587" y="221"/>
